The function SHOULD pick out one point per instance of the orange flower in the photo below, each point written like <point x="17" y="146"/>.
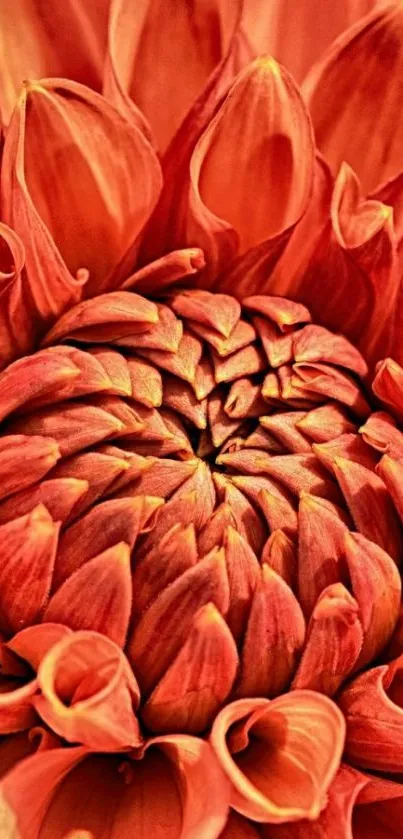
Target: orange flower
<point x="201" y="404"/>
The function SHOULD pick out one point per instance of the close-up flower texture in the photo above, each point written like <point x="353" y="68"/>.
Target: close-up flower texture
<point x="201" y="408"/>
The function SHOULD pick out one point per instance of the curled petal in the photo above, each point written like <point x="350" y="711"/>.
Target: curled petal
<point x="89" y="694"/>
<point x="381" y="433"/>
<point x="166" y="792"/>
<point x="17" y="712"/>
<point x="107" y="316"/>
<point x="320" y="549"/>
<point x="364" y="60"/>
<point x="81" y="132"/>
<point x="166" y="271"/>
<point x="292" y="745"/>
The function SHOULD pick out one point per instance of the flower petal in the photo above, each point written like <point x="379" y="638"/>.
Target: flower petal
<point x="274" y="638"/>
<point x="189" y="45"/>
<point x="40" y="39"/>
<point x="280" y="756"/>
<point x="333" y="644"/>
<point x="17" y="329"/>
<point x="294" y="45"/>
<point x="150" y="650"/>
<point x="105" y="525"/>
<point x="62" y="139"/>
<point x="376" y="586"/>
<point x="199" y="679"/>
<point x="24" y="460"/>
<point x="89" y="694"/>
<point x="224" y="216"/>
<point x="28" y="554"/>
<point x="372" y="705"/>
<point x="97" y="596"/>
<point x="351" y="79"/>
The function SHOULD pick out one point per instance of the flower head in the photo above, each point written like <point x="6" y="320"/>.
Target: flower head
<point x="201" y="446"/>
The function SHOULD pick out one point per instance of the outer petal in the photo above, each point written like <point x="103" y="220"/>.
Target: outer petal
<point x="164" y="231"/>
<point x="344" y="266"/>
<point x="41" y="38"/>
<point x="189" y="43"/>
<point x="62" y="141"/>
<point x="294" y="43"/>
<point x="350" y="80"/>
<point x="280" y="756"/>
<point x="175" y="791"/>
<point x="262" y="126"/>
<point x="335" y="821"/>
<point x="89" y="693"/>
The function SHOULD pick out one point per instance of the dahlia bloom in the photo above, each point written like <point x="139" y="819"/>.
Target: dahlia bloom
<point x="201" y="407"/>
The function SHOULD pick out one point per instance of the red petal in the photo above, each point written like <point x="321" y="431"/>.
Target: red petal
<point x="199" y="679"/>
<point x="243" y="577"/>
<point x="294" y="45"/>
<point x="292" y="745"/>
<point x="120" y="312"/>
<point x="171" y="557"/>
<point x="320" y="549"/>
<point x="89" y="693"/>
<point x="363" y="61"/>
<point x="333" y="644"/>
<point x="164" y="626"/>
<point x="370" y="505"/>
<point x="388" y="385"/>
<point x="24" y="461"/>
<point x="372" y="706"/>
<point x="28" y="554"/>
<point x="76" y="124"/>
<point x="17" y="331"/>
<point x="166" y="271"/>
<point x="280" y="554"/>
<point x="381" y="433"/>
<point x="223" y="213"/>
<point x="45" y="40"/>
<point x="376" y="587"/>
<point x="326" y="423"/>
<point x="274" y="638"/>
<point x="167" y="226"/>
<point x="164" y="92"/>
<point x="117" y="520"/>
<point x="97" y="596"/>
